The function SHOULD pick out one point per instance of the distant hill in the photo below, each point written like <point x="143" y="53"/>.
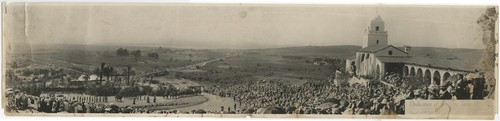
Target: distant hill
<point x="457" y="58"/>
<point x="341" y="51"/>
<point x="350" y="50"/>
<point x="446" y="52"/>
<point x="188" y="44"/>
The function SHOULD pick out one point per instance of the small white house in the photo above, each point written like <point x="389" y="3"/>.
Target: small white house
<point x="92" y="77"/>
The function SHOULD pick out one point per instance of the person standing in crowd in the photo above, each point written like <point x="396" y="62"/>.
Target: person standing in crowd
<point x="461" y="88"/>
<point x="444" y="93"/>
<point x="235" y="106"/>
<point x="470" y="89"/>
<point x="478" y="88"/>
<point x="43" y="105"/>
<point x="78" y="108"/>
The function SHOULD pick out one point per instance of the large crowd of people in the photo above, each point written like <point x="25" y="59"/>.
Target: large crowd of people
<point x="310" y="97"/>
<point x="21" y="102"/>
<point x="461" y="89"/>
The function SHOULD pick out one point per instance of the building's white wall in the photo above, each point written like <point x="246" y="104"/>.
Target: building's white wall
<point x="382" y="69"/>
<point x="368" y="66"/>
<point x="371" y="40"/>
<point x="372" y="34"/>
<point x="357" y="61"/>
<point x="374" y="24"/>
<point x="365" y="41"/>
<point x="348" y="64"/>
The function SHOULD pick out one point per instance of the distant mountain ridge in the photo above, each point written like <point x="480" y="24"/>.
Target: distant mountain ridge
<point x="329" y="51"/>
<point x="350" y="50"/>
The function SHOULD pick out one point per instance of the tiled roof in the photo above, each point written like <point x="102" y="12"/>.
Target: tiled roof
<point x="454" y="64"/>
<point x="454" y="59"/>
<point x="461" y="65"/>
<point x="373" y="48"/>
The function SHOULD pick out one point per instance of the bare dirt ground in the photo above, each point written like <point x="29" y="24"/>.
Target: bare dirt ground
<point x="213" y="103"/>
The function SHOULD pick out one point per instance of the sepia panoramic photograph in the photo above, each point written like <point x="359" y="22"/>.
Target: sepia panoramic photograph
<point x="259" y="60"/>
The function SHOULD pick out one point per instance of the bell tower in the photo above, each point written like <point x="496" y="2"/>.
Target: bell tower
<point x="375" y="33"/>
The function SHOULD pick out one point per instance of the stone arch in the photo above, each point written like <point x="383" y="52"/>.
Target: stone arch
<point x="436" y="77"/>
<point x="412" y="72"/>
<point x="420" y="74"/>
<point x="427" y="76"/>
<point x="446" y="75"/>
<point x="405" y="71"/>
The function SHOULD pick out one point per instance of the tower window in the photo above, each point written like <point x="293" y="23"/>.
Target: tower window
<point x="377" y="41"/>
<point x="377" y="28"/>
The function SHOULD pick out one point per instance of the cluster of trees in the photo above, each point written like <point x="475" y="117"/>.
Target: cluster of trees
<point x="129" y="92"/>
<point x="135" y="53"/>
<point x="107" y="71"/>
<point x="32" y="89"/>
<point x="122" y="52"/>
<point x="125" y="52"/>
<point x="102" y="90"/>
<point x="154" y="55"/>
<point x="163" y="50"/>
<point x="165" y="90"/>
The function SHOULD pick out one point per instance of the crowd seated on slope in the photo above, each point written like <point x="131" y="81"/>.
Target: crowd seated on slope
<point x="277" y="96"/>
<point x="316" y="97"/>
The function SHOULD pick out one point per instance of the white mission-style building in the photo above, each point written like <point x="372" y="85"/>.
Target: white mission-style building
<point x="377" y="58"/>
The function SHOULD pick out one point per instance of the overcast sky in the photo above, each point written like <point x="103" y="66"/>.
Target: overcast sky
<point x="232" y="24"/>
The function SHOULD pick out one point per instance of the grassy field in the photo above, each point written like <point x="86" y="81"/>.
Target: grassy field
<point x="254" y="67"/>
<point x="89" y="57"/>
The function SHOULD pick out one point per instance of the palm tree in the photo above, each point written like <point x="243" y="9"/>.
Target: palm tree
<point x="128" y="74"/>
<point x="108" y="71"/>
<point x="101" y="73"/>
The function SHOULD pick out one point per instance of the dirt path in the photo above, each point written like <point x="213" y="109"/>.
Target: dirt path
<point x="214" y="103"/>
